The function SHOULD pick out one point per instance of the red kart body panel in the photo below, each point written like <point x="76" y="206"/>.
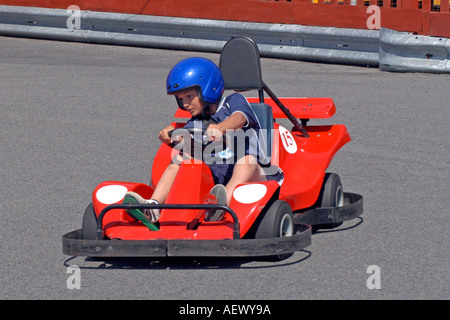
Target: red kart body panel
<point x="173" y="222"/>
<point x="304" y="169"/>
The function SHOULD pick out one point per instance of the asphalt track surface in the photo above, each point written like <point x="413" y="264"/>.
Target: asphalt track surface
<point x="74" y="115"/>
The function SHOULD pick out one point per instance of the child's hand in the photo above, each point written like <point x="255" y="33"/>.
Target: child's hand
<point x="214" y="132"/>
<point x="164" y="134"/>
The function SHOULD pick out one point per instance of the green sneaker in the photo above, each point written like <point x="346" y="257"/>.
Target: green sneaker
<point x="147" y="216"/>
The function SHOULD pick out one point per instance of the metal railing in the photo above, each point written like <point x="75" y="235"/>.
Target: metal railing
<point x="385" y="48"/>
<point x="427" y="17"/>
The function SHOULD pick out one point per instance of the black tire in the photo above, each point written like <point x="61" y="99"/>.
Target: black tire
<point x="89" y="226"/>
<point x="277" y="222"/>
<point x="331" y="195"/>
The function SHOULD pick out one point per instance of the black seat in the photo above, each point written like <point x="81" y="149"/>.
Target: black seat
<point x="241" y="69"/>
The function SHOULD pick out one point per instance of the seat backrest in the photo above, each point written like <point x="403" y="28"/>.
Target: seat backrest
<point x="240" y="65"/>
<point x="241" y="69"/>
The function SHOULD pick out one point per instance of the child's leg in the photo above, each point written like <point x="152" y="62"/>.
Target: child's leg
<point x="246" y="169"/>
<point x="165" y="183"/>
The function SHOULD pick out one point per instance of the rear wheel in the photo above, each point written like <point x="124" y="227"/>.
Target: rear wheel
<point x="277" y="222"/>
<point x="331" y="195"/>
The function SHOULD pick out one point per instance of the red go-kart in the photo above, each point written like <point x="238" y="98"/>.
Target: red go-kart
<point x="263" y="219"/>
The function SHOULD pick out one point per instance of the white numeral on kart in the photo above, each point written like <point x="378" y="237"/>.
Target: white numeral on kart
<point x="288" y="141"/>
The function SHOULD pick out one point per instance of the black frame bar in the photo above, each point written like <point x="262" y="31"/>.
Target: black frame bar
<point x="100" y="231"/>
<point x="73" y="244"/>
<point x="352" y="208"/>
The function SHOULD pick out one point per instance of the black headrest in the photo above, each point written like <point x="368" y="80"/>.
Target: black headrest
<point x="240" y="65"/>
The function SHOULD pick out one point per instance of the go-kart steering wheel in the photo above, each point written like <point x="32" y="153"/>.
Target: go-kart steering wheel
<point x="197" y="135"/>
<point x="194" y="138"/>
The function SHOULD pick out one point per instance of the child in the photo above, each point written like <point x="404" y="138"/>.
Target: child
<point x="197" y="85"/>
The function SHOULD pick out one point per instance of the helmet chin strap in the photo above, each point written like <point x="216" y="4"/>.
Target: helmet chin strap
<point x="206" y="114"/>
<point x="208" y="110"/>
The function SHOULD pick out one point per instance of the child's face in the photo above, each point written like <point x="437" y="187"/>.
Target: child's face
<point x="191" y="102"/>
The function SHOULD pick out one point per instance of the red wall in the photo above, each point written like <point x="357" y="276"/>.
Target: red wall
<point x="405" y="17"/>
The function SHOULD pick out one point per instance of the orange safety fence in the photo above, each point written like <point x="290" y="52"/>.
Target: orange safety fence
<point x="425" y="17"/>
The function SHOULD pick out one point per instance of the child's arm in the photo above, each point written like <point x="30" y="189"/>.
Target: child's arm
<point x="234" y="122"/>
<point x="164" y="134"/>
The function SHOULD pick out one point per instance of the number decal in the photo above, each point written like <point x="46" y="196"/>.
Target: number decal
<point x="288" y="141"/>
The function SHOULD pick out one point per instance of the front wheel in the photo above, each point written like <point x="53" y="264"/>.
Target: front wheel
<point x="89" y="226"/>
<point x="277" y="222"/>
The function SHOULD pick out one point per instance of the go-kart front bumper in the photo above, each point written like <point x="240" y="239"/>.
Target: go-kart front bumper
<point x="74" y="245"/>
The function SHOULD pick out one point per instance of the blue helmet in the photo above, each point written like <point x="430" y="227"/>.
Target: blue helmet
<point x="199" y="73"/>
